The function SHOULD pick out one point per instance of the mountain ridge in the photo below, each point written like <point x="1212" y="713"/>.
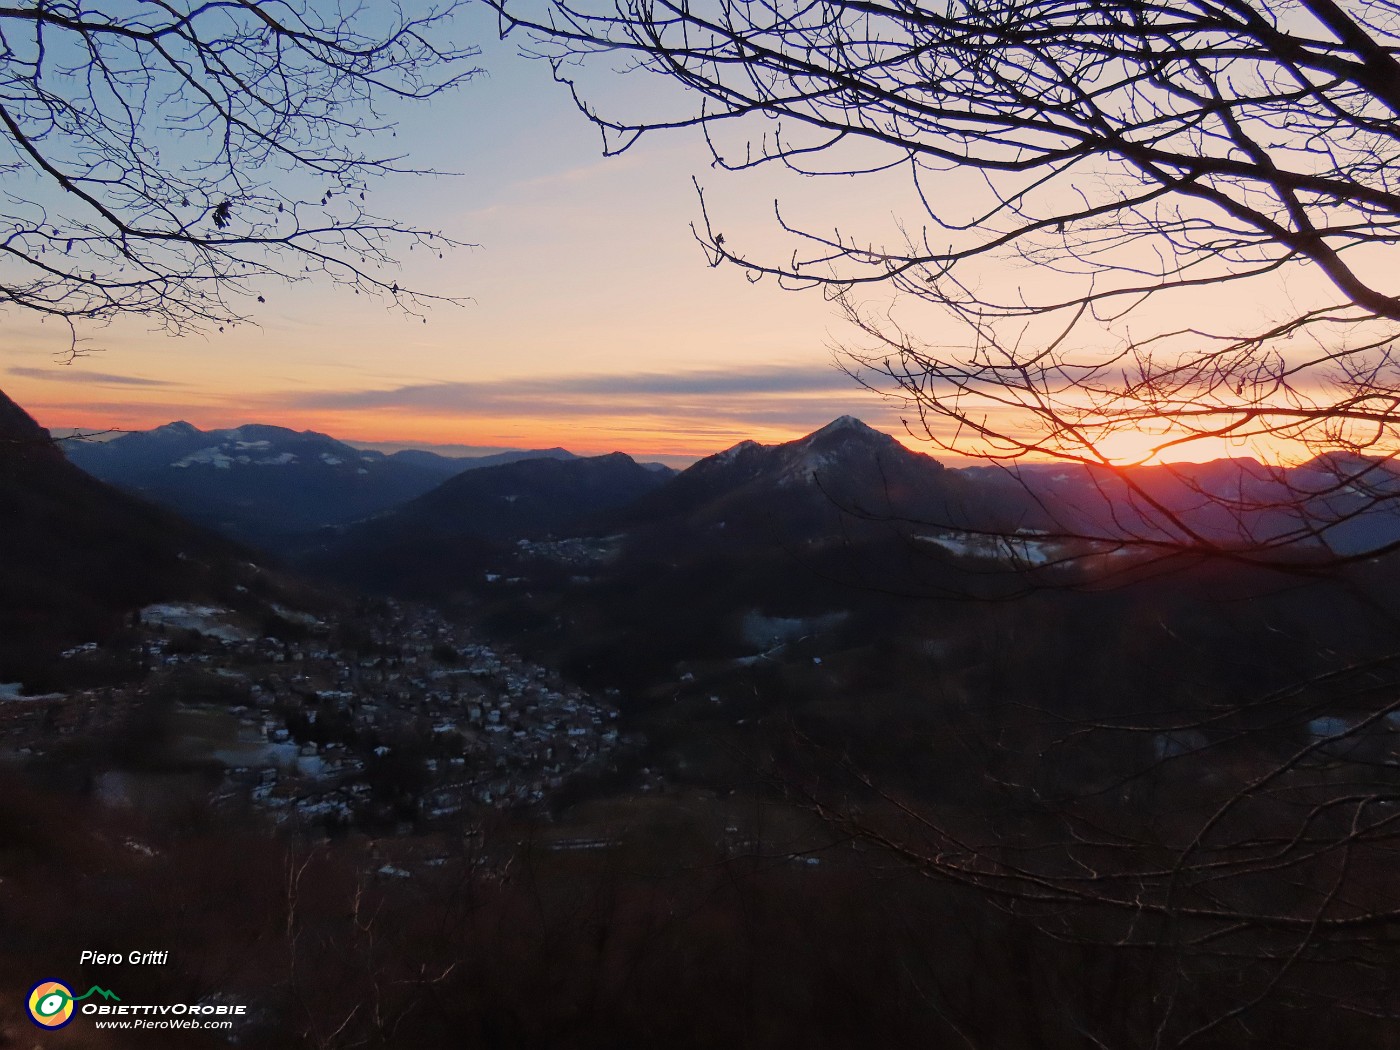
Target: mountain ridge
<point x="446" y="535"/>
<point x="81" y="555"/>
<point x="265" y="484"/>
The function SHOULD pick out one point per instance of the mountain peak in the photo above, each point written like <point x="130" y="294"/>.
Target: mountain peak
<point x="734" y="451"/>
<point x="179" y="428"/>
<point x="845" y="423"/>
<point x="845" y="428"/>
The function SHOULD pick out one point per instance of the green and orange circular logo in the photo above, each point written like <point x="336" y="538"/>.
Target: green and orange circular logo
<point x="50" y="1004"/>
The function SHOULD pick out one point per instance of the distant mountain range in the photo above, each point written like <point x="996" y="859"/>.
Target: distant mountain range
<point x="810" y="490"/>
<point x="263" y="484"/>
<point x="602" y="562"/>
<point x="274" y="487"/>
<point x="849" y="480"/>
<point x="1340" y="504"/>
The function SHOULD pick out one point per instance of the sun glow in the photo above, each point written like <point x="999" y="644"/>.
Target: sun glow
<point x="1149" y="448"/>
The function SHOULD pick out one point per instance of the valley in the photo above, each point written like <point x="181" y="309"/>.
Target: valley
<point x="829" y="691"/>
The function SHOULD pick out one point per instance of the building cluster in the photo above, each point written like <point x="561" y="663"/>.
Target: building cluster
<point x="395" y="715"/>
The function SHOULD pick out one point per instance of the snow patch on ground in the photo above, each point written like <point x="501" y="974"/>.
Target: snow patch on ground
<point x="187" y="616"/>
<point x="213" y="456"/>
<point x="810" y="462"/>
<point x="1022" y="550"/>
<point x="1329" y="726"/>
<point x="15" y="691"/>
<point x="760" y="630"/>
<point x="216" y="456"/>
<point x="295" y="615"/>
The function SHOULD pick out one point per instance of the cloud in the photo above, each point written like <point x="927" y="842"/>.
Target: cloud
<point x="684" y="413"/>
<point x="588" y="394"/>
<point x="73" y="375"/>
<point x="681" y="414"/>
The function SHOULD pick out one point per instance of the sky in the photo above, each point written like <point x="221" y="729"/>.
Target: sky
<point x="589" y="317"/>
<point x="592" y="320"/>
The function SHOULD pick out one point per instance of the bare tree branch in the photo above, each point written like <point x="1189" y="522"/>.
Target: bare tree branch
<point x="174" y="160"/>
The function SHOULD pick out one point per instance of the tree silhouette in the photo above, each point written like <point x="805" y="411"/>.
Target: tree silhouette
<point x="171" y="159"/>
<point x="1157" y="225"/>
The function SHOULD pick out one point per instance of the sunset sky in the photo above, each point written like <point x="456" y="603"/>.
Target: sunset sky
<point x="594" y="321"/>
<point x="591" y="318"/>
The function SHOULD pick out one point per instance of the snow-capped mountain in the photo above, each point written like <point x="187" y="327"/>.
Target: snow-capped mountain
<point x="814" y="487"/>
<point x="264" y="483"/>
